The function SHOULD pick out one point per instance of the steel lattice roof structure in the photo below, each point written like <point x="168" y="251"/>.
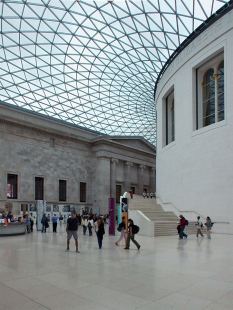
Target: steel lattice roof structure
<point x="93" y="63"/>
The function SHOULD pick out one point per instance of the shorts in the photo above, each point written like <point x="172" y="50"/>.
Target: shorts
<point x="71" y="233"/>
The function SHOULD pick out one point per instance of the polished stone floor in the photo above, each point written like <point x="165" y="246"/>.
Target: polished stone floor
<point x="36" y="273"/>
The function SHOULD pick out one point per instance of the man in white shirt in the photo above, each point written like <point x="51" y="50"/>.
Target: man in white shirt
<point x="199" y="227"/>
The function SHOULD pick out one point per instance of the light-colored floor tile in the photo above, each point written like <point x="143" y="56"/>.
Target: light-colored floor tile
<point x="214" y="284"/>
<point x="218" y="306"/>
<point x="38" y="274"/>
<point x="30" y="305"/>
<point x="178" y="302"/>
<point x="227" y="299"/>
<point x="203" y="292"/>
<point x="148" y="292"/>
<point x="61" y="301"/>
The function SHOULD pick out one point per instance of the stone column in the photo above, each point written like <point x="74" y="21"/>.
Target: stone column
<point x="140" y="179"/>
<point x="152" y="180"/>
<point x="101" y="185"/>
<point x="127" y="176"/>
<point x="114" y="161"/>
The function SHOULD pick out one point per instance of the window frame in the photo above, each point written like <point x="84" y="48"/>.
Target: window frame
<point x="15" y="188"/>
<point x="212" y="62"/>
<point x="82" y="192"/>
<point x="170" y="114"/>
<point x="62" y="190"/>
<point x="36" y="188"/>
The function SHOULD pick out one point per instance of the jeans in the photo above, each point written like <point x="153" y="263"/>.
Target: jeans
<point x="129" y="237"/>
<point x="182" y="234"/>
<point x="100" y="239"/>
<point x="84" y="229"/>
<point x="90" y="231"/>
<point x="43" y="227"/>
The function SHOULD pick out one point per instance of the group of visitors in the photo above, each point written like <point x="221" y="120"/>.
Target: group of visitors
<point x="148" y="195"/>
<point x="27" y="219"/>
<point x="127" y="234"/>
<point x="89" y="222"/>
<point x="183" y="222"/>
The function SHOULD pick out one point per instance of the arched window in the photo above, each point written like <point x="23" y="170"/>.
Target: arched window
<point x="210" y="92"/>
<point x="208" y="98"/>
<point x="220" y="86"/>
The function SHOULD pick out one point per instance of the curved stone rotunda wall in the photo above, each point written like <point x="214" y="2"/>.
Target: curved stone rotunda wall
<point x="93" y="63"/>
<point x="194" y="168"/>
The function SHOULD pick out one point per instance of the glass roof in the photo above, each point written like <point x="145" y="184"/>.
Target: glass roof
<point x="93" y="63"/>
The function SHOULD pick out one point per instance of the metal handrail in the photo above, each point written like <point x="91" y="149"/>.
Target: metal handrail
<point x="190" y="212"/>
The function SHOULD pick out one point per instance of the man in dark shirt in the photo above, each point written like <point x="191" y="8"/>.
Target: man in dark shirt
<point x="71" y="229"/>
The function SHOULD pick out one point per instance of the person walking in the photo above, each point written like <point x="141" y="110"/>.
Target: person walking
<point x="32" y="218"/>
<point x="123" y="234"/>
<point x="44" y="222"/>
<point x="199" y="227"/>
<point x="90" y="224"/>
<point x="60" y="219"/>
<point x="99" y="229"/>
<point x="54" y="221"/>
<point x="131" y="194"/>
<point x="208" y="227"/>
<point x="72" y="230"/>
<point x="84" y="224"/>
<point x="182" y="227"/>
<point x="131" y="236"/>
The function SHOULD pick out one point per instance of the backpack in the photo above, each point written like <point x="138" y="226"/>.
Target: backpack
<point x="200" y="224"/>
<point x="89" y="225"/>
<point x="135" y="229"/>
<point x="211" y="224"/>
<point x="186" y="222"/>
<point x="119" y="228"/>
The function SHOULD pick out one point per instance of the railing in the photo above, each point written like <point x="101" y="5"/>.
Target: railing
<point x="203" y="217"/>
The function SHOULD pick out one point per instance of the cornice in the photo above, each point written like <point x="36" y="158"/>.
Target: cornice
<point x="51" y="133"/>
<point x="120" y="146"/>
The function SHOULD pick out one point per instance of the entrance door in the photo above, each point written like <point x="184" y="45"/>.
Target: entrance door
<point x="118" y="193"/>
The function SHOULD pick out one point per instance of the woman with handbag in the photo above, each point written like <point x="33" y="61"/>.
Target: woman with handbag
<point x="121" y="229"/>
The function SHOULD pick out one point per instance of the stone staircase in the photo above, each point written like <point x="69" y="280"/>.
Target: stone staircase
<point x="165" y="223"/>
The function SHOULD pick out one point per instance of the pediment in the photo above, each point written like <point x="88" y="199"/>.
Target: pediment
<point x="136" y="143"/>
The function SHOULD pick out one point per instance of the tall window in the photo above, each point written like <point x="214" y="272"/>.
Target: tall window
<point x="83" y="192"/>
<point x="39" y="188"/>
<point x="170" y="118"/>
<point x="62" y="190"/>
<point x="118" y="193"/>
<point x="12" y="186"/>
<point x="210" y="94"/>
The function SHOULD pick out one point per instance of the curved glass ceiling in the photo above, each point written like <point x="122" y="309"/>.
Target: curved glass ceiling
<point x="93" y="64"/>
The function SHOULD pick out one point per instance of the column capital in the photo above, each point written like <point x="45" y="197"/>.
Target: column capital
<point x="152" y="168"/>
<point x="142" y="167"/>
<point x="114" y="160"/>
<point x="128" y="163"/>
